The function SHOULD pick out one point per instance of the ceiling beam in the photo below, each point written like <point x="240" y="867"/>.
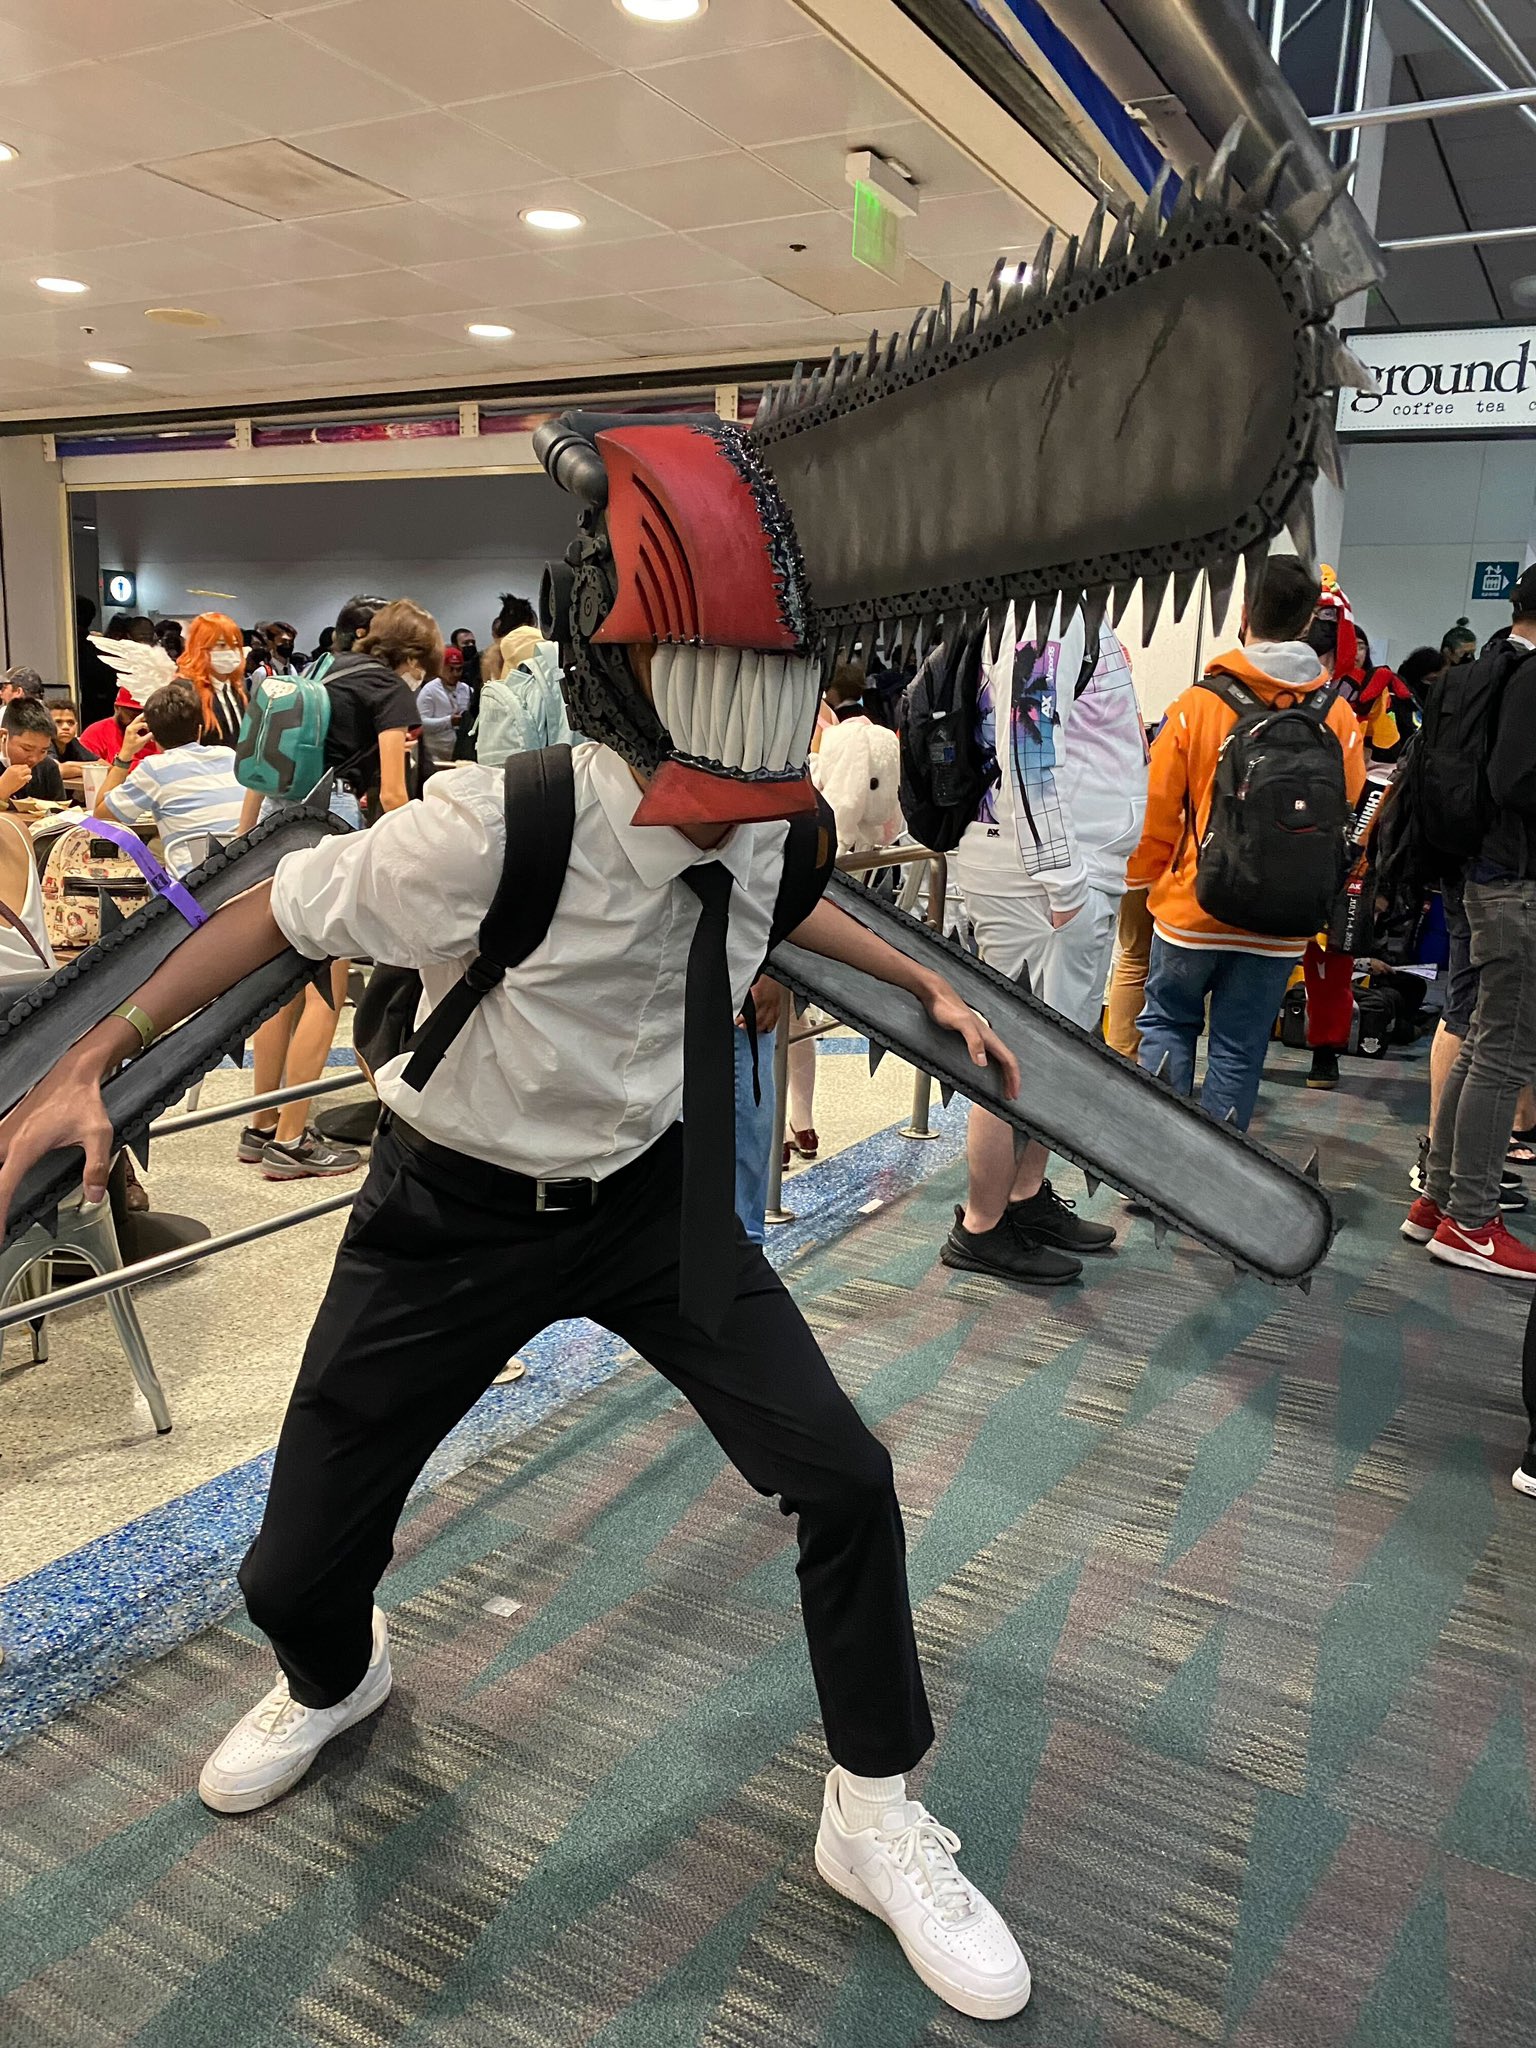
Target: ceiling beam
<point x="1466" y="239"/>
<point x="1512" y="96"/>
<point x="1465" y="52"/>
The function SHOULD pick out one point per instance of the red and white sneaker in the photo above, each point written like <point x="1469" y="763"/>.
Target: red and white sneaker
<point x="1422" y="1221"/>
<point x="1490" y="1249"/>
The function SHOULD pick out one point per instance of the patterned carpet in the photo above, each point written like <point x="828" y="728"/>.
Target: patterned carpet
<point x="1227" y="1606"/>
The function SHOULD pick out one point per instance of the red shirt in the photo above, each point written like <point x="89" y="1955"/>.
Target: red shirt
<point x="104" y="739"/>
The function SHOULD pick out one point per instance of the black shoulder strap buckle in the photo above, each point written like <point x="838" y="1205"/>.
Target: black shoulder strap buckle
<point x="539" y="805"/>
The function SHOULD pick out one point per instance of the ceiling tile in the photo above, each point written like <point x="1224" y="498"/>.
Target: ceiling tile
<point x="748" y="300"/>
<point x="368" y="338"/>
<point x="71" y="122"/>
<point x="815" y="236"/>
<point x="606" y="220"/>
<point x="409" y="234"/>
<point x="384" y="294"/>
<point x="276" y="252"/>
<point x="608" y="316"/>
<point x="25" y="50"/>
<point x="473" y="48"/>
<point x="111" y="28"/>
<point x="257" y="308"/>
<point x="850" y="287"/>
<point x="941" y="170"/>
<point x="149" y="272"/>
<point x="500" y="281"/>
<point x="134" y="202"/>
<point x="780" y="92"/>
<point x="596" y="125"/>
<point x="986" y="224"/>
<point x="646" y="266"/>
<point x="728" y="25"/>
<point x="448" y="326"/>
<point x="708" y="191"/>
<point x="423" y="156"/>
<point x="269" y="69"/>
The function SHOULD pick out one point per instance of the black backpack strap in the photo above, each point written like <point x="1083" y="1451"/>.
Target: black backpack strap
<point x="539" y="795"/>
<point x="1236" y="695"/>
<point x="810" y="854"/>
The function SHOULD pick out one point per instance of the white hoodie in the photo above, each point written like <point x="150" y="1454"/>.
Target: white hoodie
<point x="1075" y="819"/>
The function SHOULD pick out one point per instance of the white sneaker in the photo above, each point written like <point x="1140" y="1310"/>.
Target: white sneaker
<point x="1523" y="1478"/>
<point x="269" y="1749"/>
<point x="905" y="1873"/>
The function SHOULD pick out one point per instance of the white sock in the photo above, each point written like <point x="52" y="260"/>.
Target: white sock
<point x="865" y="1802"/>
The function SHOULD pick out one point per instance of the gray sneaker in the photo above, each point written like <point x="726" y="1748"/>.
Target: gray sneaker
<point x="311" y="1157"/>
<point x="253" y="1142"/>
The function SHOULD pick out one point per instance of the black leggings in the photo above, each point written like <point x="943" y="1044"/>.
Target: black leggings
<point x="436" y="1284"/>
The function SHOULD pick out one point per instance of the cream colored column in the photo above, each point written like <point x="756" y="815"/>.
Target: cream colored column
<point x="36" y="606"/>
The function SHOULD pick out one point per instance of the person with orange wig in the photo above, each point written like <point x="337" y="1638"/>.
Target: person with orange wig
<point x="214" y="663"/>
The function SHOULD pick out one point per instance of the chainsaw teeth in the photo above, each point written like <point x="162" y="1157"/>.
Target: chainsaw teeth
<point x="1020" y="299"/>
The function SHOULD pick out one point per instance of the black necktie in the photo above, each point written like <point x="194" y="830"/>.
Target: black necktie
<point x="707" y="1256"/>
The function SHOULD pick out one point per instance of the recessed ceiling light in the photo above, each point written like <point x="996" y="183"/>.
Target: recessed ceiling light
<point x="110" y="369"/>
<point x="1523" y="291"/>
<point x="554" y="220"/>
<point x="66" y="286"/>
<point x="8" y="153"/>
<point x="662" y="10"/>
<point x="489" y="330"/>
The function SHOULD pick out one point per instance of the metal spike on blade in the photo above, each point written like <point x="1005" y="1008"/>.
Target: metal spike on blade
<point x="1218" y="177"/>
<point x="1261" y="193"/>
<point x="138" y="1145"/>
<point x="801" y="1004"/>
<point x="1153" y="591"/>
<point x="1183" y="209"/>
<point x="1301" y="525"/>
<point x="945" y="312"/>
<point x="1093" y="235"/>
<point x="1092" y="1183"/>
<point x="1305" y="1285"/>
<point x="214" y="846"/>
<point x="1095" y="602"/>
<point x="997" y="624"/>
<point x="969" y="316"/>
<point x="796" y="385"/>
<point x="1254" y="559"/>
<point x="1160" y="1071"/>
<point x="917" y="320"/>
<point x="1150" y="216"/>
<point x="946" y="1093"/>
<point x="1040" y="269"/>
<point x="1022" y="978"/>
<point x="320" y="982"/>
<point x="872" y="355"/>
<point x="1185" y="584"/>
<point x="1159" y="1230"/>
<point x="1071" y="605"/>
<point x="1069" y="262"/>
<point x="888" y="358"/>
<point x="1120" y="602"/>
<point x="236" y="1054"/>
<point x="994" y="291"/>
<point x="877" y="1053"/>
<point x="1347" y="371"/>
<point x="1326" y="452"/>
<point x="1231" y="1115"/>
<point x="1219" y="580"/>
<point x="1310" y="1168"/>
<point x="1303" y="217"/>
<point x="1120" y="240"/>
<point x="111" y="917"/>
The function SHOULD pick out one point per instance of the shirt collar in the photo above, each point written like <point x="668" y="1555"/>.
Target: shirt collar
<point x="659" y="853"/>
<point x="1523" y="639"/>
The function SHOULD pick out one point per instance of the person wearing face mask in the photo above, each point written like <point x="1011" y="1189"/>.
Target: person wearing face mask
<point x="214" y="663"/>
<point x="276" y="639"/>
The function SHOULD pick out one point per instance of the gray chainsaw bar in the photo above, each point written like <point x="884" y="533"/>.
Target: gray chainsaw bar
<point x="1121" y="1125"/>
<point x="57" y="1013"/>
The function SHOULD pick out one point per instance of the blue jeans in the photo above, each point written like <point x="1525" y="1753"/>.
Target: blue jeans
<point x="754" y="1132"/>
<point x="1244" y="991"/>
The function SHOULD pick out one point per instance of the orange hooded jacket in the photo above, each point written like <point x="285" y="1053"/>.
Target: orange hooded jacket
<point x="1183" y="769"/>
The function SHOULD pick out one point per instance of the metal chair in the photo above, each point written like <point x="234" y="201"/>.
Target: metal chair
<point x="84" y="1231"/>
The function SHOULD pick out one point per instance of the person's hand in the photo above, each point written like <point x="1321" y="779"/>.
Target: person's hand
<point x="981" y="1041"/>
<point x="64" y="1109"/>
<point x="768" y="1001"/>
<point x="13" y="778"/>
<point x="1061" y="918"/>
<point x="136" y="738"/>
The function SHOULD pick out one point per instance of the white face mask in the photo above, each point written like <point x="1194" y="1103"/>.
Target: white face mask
<point x="225" y="660"/>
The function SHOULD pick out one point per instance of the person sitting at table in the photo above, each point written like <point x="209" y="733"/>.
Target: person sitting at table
<point x="27" y="765"/>
<point x="165" y="781"/>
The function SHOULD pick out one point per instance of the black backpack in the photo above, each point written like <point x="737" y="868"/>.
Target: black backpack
<point x="1445" y="807"/>
<point x="1275" y="849"/>
<point x="945" y="772"/>
<point x="539" y="793"/>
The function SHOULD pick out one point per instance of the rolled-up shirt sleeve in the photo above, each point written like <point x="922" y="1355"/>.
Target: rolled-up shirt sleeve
<point x="411" y="891"/>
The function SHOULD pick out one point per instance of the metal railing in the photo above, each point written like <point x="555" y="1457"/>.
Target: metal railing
<point x="173" y="1261"/>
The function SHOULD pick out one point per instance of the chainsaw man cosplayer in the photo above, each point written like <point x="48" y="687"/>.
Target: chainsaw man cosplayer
<point x="531" y="1164"/>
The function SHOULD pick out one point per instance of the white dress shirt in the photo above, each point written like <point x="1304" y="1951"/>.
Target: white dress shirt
<point x="574" y="1065"/>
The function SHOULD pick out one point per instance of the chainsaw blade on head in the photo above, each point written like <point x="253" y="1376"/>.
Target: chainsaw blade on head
<point x="1151" y="415"/>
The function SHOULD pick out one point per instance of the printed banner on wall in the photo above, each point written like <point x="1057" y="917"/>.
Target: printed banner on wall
<point x="1461" y="380"/>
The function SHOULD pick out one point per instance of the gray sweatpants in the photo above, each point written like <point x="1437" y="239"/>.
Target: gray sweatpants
<point x="1497" y="1057"/>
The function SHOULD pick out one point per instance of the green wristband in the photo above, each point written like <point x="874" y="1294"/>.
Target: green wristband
<point x="141" y="1021"/>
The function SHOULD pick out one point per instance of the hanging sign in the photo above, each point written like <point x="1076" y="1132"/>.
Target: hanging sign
<point x="1458" y="380"/>
<point x="1492" y="581"/>
<point x="121" y="587"/>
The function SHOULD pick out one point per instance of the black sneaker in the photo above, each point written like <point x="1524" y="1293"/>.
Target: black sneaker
<point x="1523" y="1478"/>
<point x="1418" y="1173"/>
<point x="1047" y="1218"/>
<point x="1512" y="1197"/>
<point x="1325" y="1070"/>
<point x="1006" y="1253"/>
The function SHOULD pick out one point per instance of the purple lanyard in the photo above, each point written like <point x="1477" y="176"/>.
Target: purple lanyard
<point x="163" y="884"/>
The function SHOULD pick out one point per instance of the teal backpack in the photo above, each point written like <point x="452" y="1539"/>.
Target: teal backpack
<point x="281" y="749"/>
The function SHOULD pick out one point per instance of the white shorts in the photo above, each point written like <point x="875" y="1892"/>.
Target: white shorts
<point x="1010" y="913"/>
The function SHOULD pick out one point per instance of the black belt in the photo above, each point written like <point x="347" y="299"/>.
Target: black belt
<point x="498" y="1186"/>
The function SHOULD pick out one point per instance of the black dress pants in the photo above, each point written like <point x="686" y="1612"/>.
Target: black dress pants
<point x="436" y="1284"/>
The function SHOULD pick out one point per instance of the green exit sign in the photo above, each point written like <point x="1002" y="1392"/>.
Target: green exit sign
<point x="877" y="232"/>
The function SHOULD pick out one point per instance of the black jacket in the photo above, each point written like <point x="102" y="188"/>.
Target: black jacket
<point x="1509" y="845"/>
